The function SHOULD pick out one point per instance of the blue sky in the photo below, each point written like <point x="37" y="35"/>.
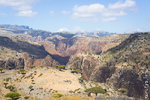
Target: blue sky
<point x="118" y="16"/>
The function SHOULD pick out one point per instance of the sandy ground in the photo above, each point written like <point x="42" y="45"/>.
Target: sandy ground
<point x="51" y="81"/>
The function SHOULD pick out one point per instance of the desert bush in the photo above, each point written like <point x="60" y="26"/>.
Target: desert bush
<point x="57" y="95"/>
<point x="95" y="90"/>
<point x="22" y="71"/>
<point x="72" y="68"/>
<point x="30" y="87"/>
<point x="13" y="95"/>
<point x="61" y="67"/>
<point x="7" y="79"/>
<point x="26" y="97"/>
<point x="80" y="80"/>
<point x="40" y="75"/>
<point x="5" y="84"/>
<point x="10" y="87"/>
<point x="1" y="69"/>
<point x="9" y="67"/>
<point x="122" y="90"/>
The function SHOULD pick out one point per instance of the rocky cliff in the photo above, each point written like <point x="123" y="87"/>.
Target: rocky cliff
<point x="124" y="66"/>
<point x="16" y="51"/>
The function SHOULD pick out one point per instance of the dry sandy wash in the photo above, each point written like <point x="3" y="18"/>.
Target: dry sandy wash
<point x="45" y="81"/>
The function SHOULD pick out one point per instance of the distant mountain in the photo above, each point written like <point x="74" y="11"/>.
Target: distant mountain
<point x="95" y="33"/>
<point x="18" y="27"/>
<point x="21" y="29"/>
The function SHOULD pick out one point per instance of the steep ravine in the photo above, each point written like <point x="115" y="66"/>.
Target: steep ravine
<point x="124" y="66"/>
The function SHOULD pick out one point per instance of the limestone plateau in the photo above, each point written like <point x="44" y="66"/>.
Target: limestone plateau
<point x="122" y="60"/>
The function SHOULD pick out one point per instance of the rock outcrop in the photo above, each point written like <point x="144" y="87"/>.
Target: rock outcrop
<point x="124" y="66"/>
<point x="14" y="63"/>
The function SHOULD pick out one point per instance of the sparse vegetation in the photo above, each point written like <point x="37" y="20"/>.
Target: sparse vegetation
<point x="60" y="67"/>
<point x="9" y="67"/>
<point x="5" y="84"/>
<point x="74" y="70"/>
<point x="30" y="87"/>
<point x="95" y="90"/>
<point x="11" y="88"/>
<point x="122" y="90"/>
<point x="1" y="69"/>
<point x="22" y="71"/>
<point x="81" y="80"/>
<point x="13" y="95"/>
<point x="26" y="97"/>
<point x="57" y="95"/>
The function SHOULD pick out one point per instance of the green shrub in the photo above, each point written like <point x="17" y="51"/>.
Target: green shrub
<point x="40" y="75"/>
<point x="57" y="95"/>
<point x="22" y="71"/>
<point x="122" y="90"/>
<point x="80" y="80"/>
<point x="26" y="97"/>
<point x="60" y="67"/>
<point x="10" y="87"/>
<point x="9" y="67"/>
<point x="13" y="95"/>
<point x="30" y="87"/>
<point x="95" y="90"/>
<point x="5" y="84"/>
<point x="1" y="69"/>
<point x="72" y="68"/>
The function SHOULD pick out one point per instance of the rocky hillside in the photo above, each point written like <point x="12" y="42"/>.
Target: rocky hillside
<point x="17" y="51"/>
<point x="61" y="45"/>
<point x="124" y="66"/>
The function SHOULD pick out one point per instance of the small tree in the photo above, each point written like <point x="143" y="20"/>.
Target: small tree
<point x="1" y="69"/>
<point x="30" y="87"/>
<point x="32" y="81"/>
<point x="95" y="90"/>
<point x="22" y="71"/>
<point x="74" y="70"/>
<point x="20" y="67"/>
<point x="9" y="67"/>
<point x="5" y="84"/>
<point x="57" y="95"/>
<point x="13" y="95"/>
<point x="11" y="88"/>
<point x="61" y="67"/>
<point x="57" y="66"/>
<point x="122" y="90"/>
<point x="80" y="80"/>
<point x="26" y="97"/>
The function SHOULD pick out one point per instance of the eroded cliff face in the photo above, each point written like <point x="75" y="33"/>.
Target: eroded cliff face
<point x="47" y="61"/>
<point x="17" y="51"/>
<point x="81" y="43"/>
<point x="124" y="66"/>
<point x="120" y="78"/>
<point x="14" y="63"/>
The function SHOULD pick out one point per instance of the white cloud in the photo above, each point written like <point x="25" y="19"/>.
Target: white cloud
<point x="88" y="11"/>
<point x="18" y="4"/>
<point x="23" y="6"/>
<point x="51" y="13"/>
<point x="27" y="13"/>
<point x="99" y="13"/>
<point x="63" y="30"/>
<point x="128" y="4"/>
<point x="112" y="13"/>
<point x="108" y="19"/>
<point x="65" y="12"/>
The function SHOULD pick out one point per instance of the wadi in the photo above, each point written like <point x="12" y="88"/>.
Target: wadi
<point x="43" y="65"/>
